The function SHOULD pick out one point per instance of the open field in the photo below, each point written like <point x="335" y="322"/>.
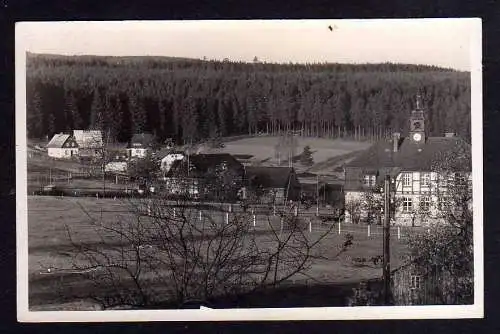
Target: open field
<point x="262" y="148"/>
<point x="49" y="246"/>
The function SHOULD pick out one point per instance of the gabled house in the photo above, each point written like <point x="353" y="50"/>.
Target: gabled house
<point x="140" y="145"/>
<point x="421" y="169"/>
<point x="206" y="176"/>
<point x="90" y="142"/>
<point x="63" y="146"/>
<point x="168" y="159"/>
<point x="272" y="184"/>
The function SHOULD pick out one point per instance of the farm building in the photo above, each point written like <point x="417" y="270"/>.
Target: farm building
<point x="206" y="176"/>
<point x="168" y="159"/>
<point x="62" y="146"/>
<point x="276" y="184"/>
<point x="422" y="171"/>
<point x="90" y="142"/>
<point x="140" y="145"/>
<point x="326" y="194"/>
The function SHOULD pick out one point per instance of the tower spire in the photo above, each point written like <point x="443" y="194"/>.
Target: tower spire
<point x="418" y="101"/>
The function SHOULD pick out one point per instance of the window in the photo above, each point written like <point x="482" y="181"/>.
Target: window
<point x="370" y="180"/>
<point x="425" y="180"/>
<point x="460" y="179"/>
<point x="442" y="202"/>
<point x="442" y="180"/>
<point x="406" y="179"/>
<point x="415" y="282"/>
<point x="407" y="204"/>
<point x="425" y="203"/>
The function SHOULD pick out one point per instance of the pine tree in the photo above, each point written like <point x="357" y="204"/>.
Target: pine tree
<point x="97" y="111"/>
<point x="306" y="157"/>
<point x="34" y="116"/>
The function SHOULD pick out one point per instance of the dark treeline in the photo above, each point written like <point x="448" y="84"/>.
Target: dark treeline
<point x="190" y="100"/>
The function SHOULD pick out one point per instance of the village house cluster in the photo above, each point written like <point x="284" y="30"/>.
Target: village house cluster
<point x="419" y="168"/>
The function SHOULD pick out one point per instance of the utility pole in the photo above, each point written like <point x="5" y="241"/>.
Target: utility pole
<point x="317" y="195"/>
<point x="387" y="237"/>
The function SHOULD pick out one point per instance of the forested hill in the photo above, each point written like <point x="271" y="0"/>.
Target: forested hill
<point x="189" y="99"/>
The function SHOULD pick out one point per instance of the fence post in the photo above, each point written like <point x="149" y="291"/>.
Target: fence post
<point x="227" y="218"/>
<point x="274" y="209"/>
<point x="253" y="220"/>
<point x="174" y="212"/>
<point x="369" y="230"/>
<point x="310" y="226"/>
<point x="339" y="227"/>
<point x="399" y="232"/>
<point x="200" y="215"/>
<point x="230" y="207"/>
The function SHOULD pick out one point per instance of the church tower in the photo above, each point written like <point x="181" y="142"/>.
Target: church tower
<point x="417" y="124"/>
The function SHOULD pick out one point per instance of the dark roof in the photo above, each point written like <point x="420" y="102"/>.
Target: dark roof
<point x="269" y="177"/>
<point x="141" y="140"/>
<point x="203" y="163"/>
<point x="452" y="153"/>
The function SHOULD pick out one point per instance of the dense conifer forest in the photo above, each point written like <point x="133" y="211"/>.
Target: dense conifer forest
<point x="191" y="100"/>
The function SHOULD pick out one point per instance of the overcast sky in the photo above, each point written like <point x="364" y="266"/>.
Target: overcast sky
<point x="442" y="42"/>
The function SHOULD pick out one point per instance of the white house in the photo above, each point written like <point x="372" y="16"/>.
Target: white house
<point x="62" y="146"/>
<point x="423" y="171"/>
<point x="168" y="160"/>
<point x="140" y="145"/>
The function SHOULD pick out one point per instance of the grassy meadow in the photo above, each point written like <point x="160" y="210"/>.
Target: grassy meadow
<point x="50" y="218"/>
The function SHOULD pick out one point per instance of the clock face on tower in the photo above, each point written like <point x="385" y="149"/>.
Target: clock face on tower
<point x="417" y="137"/>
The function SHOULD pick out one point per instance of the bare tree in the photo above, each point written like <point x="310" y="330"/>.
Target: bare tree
<point x="174" y="253"/>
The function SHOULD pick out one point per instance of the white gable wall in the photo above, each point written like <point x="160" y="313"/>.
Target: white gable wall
<point x="137" y="152"/>
<point x="62" y="152"/>
<point x="166" y="162"/>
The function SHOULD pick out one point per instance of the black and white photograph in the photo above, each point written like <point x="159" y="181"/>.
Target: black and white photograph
<point x="249" y="170"/>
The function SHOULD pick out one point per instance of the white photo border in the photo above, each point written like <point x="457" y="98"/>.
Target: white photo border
<point x="475" y="310"/>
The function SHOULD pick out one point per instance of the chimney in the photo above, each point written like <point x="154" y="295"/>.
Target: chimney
<point x="395" y="141"/>
<point x="449" y="134"/>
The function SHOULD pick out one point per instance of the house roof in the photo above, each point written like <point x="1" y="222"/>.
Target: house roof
<point x="141" y="140"/>
<point x="451" y="153"/>
<point x="269" y="177"/>
<point x="202" y="163"/>
<point x="88" y="138"/>
<point x="165" y="152"/>
<point x="58" y="140"/>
